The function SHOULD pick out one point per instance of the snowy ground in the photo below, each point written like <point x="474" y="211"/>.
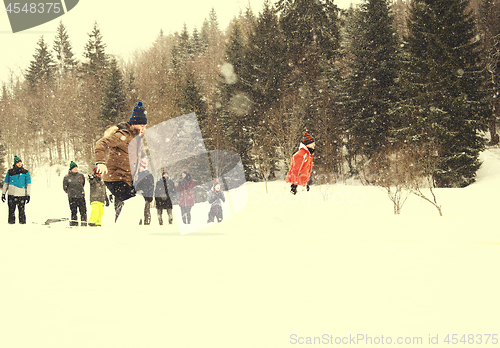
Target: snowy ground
<point x="330" y="266"/>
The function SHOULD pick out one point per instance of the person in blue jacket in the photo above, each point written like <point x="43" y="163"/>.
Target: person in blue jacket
<point x="17" y="185"/>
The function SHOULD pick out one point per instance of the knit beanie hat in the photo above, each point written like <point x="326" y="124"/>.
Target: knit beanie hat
<point x="16" y="160"/>
<point x="307" y="139"/>
<point x="138" y="115"/>
<point x="72" y="165"/>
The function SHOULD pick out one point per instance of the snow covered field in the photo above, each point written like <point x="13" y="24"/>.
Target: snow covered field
<point x="332" y="265"/>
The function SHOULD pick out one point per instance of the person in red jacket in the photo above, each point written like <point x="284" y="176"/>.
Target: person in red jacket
<point x="186" y="197"/>
<point x="302" y="163"/>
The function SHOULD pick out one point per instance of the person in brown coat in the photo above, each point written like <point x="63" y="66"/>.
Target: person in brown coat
<point x="117" y="169"/>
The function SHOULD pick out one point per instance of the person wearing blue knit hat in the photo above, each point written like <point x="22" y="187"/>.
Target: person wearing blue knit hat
<point x="138" y="115"/>
<point x="113" y="158"/>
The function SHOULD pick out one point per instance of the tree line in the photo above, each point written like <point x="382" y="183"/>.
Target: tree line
<point x="386" y="88"/>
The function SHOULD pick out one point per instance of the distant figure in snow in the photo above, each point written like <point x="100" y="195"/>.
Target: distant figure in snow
<point x="17" y="186"/>
<point x="116" y="170"/>
<point x="215" y="199"/>
<point x="164" y="193"/>
<point x="186" y="197"/>
<point x="73" y="185"/>
<point x="302" y="163"/>
<point x="98" y="198"/>
<point x="145" y="184"/>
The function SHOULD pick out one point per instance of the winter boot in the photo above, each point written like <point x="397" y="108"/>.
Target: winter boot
<point x="118" y="208"/>
<point x="147" y="219"/>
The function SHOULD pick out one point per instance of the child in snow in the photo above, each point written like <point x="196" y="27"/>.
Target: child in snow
<point x="73" y="184"/>
<point x="302" y="163"/>
<point x="17" y="185"/>
<point x="145" y="184"/>
<point x="186" y="197"/>
<point x="98" y="198"/>
<point x="215" y="199"/>
<point x="164" y="193"/>
<point x="116" y="170"/>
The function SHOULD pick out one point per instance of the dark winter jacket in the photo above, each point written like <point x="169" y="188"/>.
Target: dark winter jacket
<point x="146" y="183"/>
<point x="121" y="164"/>
<point x="73" y="184"/>
<point x="164" y="193"/>
<point x="185" y="189"/>
<point x="97" y="190"/>
<point x="215" y="198"/>
<point x="17" y="182"/>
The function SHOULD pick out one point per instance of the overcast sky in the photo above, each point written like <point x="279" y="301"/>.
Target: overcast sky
<point x="125" y="26"/>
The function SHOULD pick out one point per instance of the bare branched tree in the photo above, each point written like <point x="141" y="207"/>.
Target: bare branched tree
<point x="402" y="170"/>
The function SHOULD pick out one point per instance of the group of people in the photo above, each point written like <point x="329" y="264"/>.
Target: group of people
<point x="17" y="186"/>
<point x="124" y="174"/>
<point x="163" y="192"/>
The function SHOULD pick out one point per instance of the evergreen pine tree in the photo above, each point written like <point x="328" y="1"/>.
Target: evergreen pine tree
<point x="372" y="87"/>
<point x="41" y="68"/>
<point x="230" y="111"/>
<point x="210" y="31"/>
<point x="265" y="66"/>
<point x="443" y="76"/>
<point x="489" y="27"/>
<point x="185" y="47"/>
<point x="247" y="21"/>
<point x="113" y="105"/>
<point x="204" y="35"/>
<point x="312" y="30"/>
<point x="97" y="59"/>
<point x="196" y="44"/>
<point x="5" y="93"/>
<point x="312" y="36"/>
<point x="263" y="79"/>
<point x="65" y="61"/>
<point x="191" y="100"/>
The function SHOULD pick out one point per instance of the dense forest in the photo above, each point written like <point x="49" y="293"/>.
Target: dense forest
<point x="400" y="91"/>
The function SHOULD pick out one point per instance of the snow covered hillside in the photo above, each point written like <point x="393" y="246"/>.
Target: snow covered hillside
<point x="322" y="267"/>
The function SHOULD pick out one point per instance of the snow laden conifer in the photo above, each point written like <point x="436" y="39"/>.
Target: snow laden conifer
<point x="41" y="68"/>
<point x="489" y="27"/>
<point x="312" y="36"/>
<point x="372" y="85"/>
<point x="113" y="106"/>
<point x="192" y="100"/>
<point x="263" y="80"/>
<point x="445" y="104"/>
<point x="233" y="103"/>
<point x="64" y="58"/>
<point x="96" y="63"/>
